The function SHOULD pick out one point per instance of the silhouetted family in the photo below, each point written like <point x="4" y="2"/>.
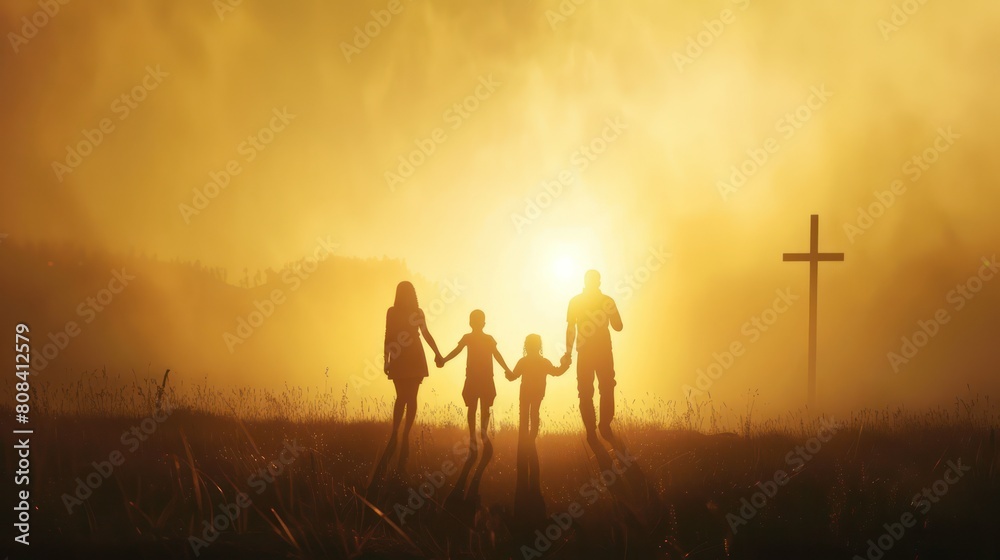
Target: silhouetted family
<point x="589" y="317"/>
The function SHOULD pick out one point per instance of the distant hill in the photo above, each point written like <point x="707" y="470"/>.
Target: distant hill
<point x="88" y="310"/>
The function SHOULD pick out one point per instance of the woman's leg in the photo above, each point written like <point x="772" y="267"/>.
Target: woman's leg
<point x="390" y="448"/>
<point x="397" y="411"/>
<point x="411" y="415"/>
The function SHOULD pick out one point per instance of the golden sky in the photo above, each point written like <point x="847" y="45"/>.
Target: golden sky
<point x="555" y="138"/>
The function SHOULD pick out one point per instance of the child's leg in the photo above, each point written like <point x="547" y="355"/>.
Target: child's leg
<point x="472" y="424"/>
<point x="485" y="418"/>
<point x="534" y="418"/>
<point x="523" y="470"/>
<point x="533" y="478"/>
<point x="524" y="428"/>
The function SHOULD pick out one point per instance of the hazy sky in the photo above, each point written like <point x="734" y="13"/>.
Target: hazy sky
<point x="644" y="110"/>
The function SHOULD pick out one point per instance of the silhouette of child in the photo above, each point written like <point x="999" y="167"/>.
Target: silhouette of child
<point x="479" y="386"/>
<point x="533" y="368"/>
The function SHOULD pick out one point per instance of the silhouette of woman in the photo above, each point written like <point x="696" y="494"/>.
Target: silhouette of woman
<point x="405" y="365"/>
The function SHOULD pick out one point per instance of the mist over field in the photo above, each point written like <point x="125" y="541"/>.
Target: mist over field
<point x="677" y="148"/>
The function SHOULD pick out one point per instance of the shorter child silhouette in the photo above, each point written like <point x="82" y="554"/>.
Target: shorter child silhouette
<point x="533" y="368"/>
<point x="479" y="386"/>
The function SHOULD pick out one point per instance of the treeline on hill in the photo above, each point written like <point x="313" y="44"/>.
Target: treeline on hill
<point x="89" y="309"/>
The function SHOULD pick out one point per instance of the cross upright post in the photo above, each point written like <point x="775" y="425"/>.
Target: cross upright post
<point x="813" y="257"/>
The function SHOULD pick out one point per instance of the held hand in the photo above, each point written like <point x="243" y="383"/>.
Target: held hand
<point x="566" y="360"/>
<point x="439" y="361"/>
<point x="509" y="374"/>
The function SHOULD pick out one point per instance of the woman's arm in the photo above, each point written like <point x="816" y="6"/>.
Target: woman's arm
<point x="427" y="336"/>
<point x="385" y="343"/>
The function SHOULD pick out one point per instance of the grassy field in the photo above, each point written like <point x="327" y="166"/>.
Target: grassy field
<point x="769" y="491"/>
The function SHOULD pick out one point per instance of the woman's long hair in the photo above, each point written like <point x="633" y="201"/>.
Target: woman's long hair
<point x="406" y="297"/>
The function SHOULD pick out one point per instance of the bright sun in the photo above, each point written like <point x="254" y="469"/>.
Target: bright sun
<point x="563" y="267"/>
<point x="551" y="270"/>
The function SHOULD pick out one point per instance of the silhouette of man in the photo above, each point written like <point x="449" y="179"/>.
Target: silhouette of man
<point x="589" y="316"/>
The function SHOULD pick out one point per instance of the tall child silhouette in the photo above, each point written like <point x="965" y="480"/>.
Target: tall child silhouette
<point x="479" y="386"/>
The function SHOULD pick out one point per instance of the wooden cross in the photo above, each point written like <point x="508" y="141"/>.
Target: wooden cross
<point x="813" y="257"/>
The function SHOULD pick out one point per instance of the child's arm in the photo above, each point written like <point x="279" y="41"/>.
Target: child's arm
<point x="499" y="358"/>
<point x="563" y="366"/>
<point x="453" y="353"/>
<point x="518" y="370"/>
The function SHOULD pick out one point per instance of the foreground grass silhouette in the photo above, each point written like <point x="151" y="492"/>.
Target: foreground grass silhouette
<point x="717" y="495"/>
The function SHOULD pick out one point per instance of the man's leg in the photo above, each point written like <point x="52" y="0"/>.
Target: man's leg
<point x="585" y="390"/>
<point x="606" y="384"/>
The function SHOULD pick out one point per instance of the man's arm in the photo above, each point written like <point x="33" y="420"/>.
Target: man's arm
<point x="616" y="317"/>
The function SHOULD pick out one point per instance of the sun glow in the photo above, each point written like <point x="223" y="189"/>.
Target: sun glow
<point x="561" y="265"/>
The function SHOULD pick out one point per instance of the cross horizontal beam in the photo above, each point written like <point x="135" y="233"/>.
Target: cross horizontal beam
<point x="807" y="257"/>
